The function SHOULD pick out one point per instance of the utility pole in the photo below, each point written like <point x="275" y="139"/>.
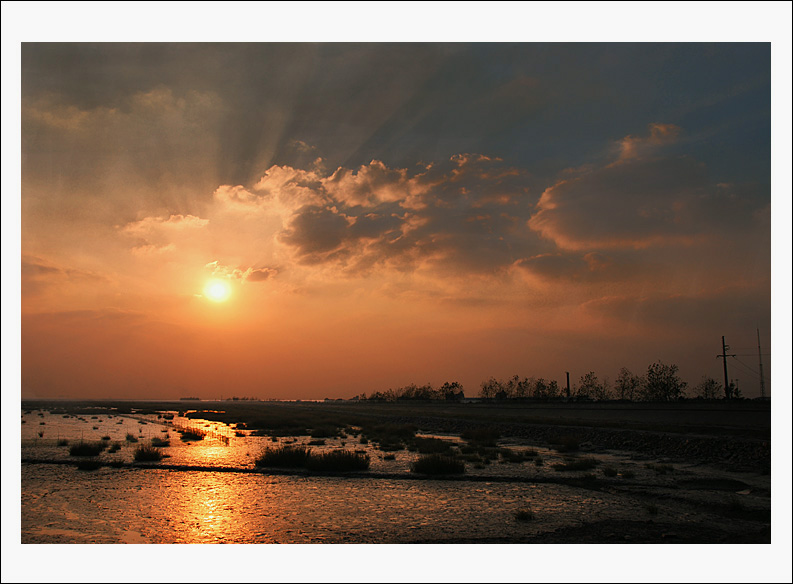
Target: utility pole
<point x="760" y="358"/>
<point x="723" y="357"/>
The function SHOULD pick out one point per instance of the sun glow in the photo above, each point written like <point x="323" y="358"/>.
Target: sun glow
<point x="217" y="290"/>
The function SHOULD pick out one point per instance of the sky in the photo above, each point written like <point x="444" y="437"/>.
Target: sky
<point x="421" y="211"/>
<point x="390" y="213"/>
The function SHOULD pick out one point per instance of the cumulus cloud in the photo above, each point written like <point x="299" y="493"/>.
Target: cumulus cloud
<point x="249" y="274"/>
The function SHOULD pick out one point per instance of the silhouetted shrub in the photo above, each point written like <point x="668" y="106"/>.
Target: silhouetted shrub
<point x="105" y="437"/>
<point x="438" y="464"/>
<point x="145" y="453"/>
<point x="610" y="471"/>
<point x="431" y="445"/>
<point x="338" y="460"/>
<point x="284" y="457"/>
<point x="131" y="437"/>
<point x="159" y="442"/>
<point x="324" y="432"/>
<point x="524" y="514"/>
<point x="86" y="449"/>
<point x="189" y="436"/>
<point x="63" y="442"/>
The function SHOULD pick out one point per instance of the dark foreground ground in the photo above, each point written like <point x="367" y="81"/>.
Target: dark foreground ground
<point x="729" y="445"/>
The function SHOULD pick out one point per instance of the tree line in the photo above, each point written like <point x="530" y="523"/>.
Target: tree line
<point x="660" y="382"/>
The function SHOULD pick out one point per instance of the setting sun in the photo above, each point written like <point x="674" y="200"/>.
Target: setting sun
<point x="217" y="290"/>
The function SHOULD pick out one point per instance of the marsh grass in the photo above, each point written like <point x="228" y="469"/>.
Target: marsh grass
<point x="431" y="445"/>
<point x="338" y="460"/>
<point x="86" y="449"/>
<point x="524" y="514"/>
<point x="487" y="436"/>
<point x="284" y="457"/>
<point x="437" y="464"/>
<point x="146" y="453"/>
<point x="324" y="432"/>
<point x="585" y="463"/>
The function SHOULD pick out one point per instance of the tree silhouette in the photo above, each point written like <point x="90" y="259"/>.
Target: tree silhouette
<point x="661" y="383"/>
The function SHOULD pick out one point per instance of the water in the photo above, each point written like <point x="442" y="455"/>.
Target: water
<point x="61" y="504"/>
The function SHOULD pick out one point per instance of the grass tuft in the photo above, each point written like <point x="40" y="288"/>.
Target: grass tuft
<point x="524" y="514"/>
<point x="284" y="457"/>
<point x="438" y="464"/>
<point x="338" y="460"/>
<point x="145" y="453"/>
<point x="86" y="449"/>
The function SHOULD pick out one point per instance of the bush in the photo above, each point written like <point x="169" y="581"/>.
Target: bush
<point x="431" y="445"/>
<point x="189" y="436"/>
<point x="524" y="514"/>
<point x="144" y="453"/>
<point x="338" y="460"/>
<point x="284" y="457"/>
<point x="483" y="436"/>
<point x="610" y="471"/>
<point x="438" y="464"/>
<point x="131" y="437"/>
<point x="63" y="442"/>
<point x="324" y="432"/>
<point x="105" y="437"/>
<point x="160" y="443"/>
<point x="86" y="449"/>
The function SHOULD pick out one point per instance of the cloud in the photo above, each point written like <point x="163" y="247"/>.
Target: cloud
<point x="39" y="274"/>
<point x="238" y="273"/>
<point x="645" y="198"/>
<point x="149" y="225"/>
<point x="259" y="274"/>
<point x="156" y="234"/>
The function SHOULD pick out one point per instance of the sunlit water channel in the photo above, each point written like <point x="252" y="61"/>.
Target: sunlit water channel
<point x="154" y="504"/>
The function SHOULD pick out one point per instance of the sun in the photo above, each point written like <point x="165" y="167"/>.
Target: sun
<point x="217" y="290"/>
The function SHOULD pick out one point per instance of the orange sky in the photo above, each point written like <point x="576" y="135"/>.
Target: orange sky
<point x="378" y="227"/>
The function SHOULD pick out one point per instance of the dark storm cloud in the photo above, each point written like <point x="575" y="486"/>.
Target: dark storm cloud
<point x="706" y="310"/>
<point x="544" y="107"/>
